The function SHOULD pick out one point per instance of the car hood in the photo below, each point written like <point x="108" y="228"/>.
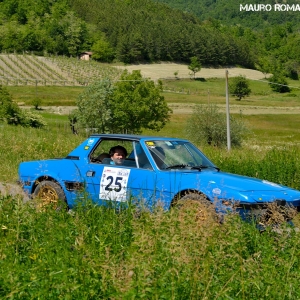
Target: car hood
<point x="242" y="188"/>
<point x="244" y="183"/>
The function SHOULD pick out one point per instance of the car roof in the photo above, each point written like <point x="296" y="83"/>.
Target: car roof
<point x="134" y="137"/>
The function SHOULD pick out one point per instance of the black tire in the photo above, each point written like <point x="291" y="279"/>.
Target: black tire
<point x="50" y="193"/>
<point x="200" y="204"/>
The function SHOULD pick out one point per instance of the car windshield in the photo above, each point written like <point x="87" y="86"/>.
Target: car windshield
<point x="177" y="154"/>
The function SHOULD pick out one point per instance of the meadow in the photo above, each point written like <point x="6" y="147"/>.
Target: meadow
<point x="104" y="253"/>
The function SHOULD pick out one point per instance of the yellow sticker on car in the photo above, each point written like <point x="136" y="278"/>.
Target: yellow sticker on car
<point x="149" y="143"/>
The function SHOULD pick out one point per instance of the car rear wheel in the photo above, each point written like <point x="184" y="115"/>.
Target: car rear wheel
<point x="49" y="193"/>
<point x="200" y="205"/>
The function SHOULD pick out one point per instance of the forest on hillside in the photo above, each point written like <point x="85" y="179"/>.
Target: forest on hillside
<point x="228" y="12"/>
<point x="135" y="31"/>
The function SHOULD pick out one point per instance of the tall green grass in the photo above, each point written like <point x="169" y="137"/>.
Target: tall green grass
<point x="104" y="253"/>
<point x="276" y="164"/>
<point x="19" y="144"/>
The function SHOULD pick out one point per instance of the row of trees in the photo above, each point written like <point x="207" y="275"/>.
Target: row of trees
<point x="144" y="30"/>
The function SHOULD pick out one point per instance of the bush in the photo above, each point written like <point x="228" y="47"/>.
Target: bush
<point x="278" y="84"/>
<point x="9" y="110"/>
<point x="30" y="119"/>
<point x="12" y="114"/>
<point x="208" y="125"/>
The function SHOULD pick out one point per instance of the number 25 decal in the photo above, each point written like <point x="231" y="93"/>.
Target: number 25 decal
<point x="117" y="183"/>
<point x="113" y="184"/>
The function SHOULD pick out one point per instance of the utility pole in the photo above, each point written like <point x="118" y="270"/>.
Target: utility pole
<point x="227" y="113"/>
<point x="208" y="98"/>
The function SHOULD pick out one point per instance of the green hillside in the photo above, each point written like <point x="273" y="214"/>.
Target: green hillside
<point x="228" y="12"/>
<point x="114" y="30"/>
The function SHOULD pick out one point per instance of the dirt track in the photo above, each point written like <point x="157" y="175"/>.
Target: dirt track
<point x="12" y="189"/>
<point x="167" y="70"/>
<point x="186" y="108"/>
<point x="180" y="108"/>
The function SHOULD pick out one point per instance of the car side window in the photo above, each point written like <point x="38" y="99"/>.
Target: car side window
<point x="136" y="157"/>
<point x="101" y="153"/>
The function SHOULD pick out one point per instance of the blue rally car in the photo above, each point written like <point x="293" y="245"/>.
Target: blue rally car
<point x="151" y="170"/>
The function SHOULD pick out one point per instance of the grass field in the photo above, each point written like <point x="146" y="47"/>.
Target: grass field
<point x="105" y="253"/>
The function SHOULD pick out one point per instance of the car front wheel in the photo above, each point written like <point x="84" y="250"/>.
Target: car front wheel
<point x="49" y="193"/>
<point x="199" y="204"/>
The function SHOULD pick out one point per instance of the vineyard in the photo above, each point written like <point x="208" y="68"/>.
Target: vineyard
<point x="25" y="69"/>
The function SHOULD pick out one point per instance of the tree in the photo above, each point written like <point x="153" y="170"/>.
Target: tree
<point x="138" y="104"/>
<point x="265" y="65"/>
<point x="36" y="102"/>
<point x="239" y="87"/>
<point x="132" y="104"/>
<point x="195" y="65"/>
<point x="94" y="106"/>
<point x="75" y="31"/>
<point x="291" y="68"/>
<point x="208" y="125"/>
<point x="102" y="51"/>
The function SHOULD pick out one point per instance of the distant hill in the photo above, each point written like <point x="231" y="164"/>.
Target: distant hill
<point x="228" y="12"/>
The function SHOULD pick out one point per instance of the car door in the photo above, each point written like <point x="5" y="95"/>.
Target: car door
<point x="128" y="182"/>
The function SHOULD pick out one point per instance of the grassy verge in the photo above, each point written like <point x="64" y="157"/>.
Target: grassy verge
<point x="21" y="144"/>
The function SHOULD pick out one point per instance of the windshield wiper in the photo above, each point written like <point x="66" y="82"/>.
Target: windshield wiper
<point x="204" y="167"/>
<point x="181" y="166"/>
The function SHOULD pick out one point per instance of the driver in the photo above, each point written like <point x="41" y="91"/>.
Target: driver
<point x="117" y="155"/>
